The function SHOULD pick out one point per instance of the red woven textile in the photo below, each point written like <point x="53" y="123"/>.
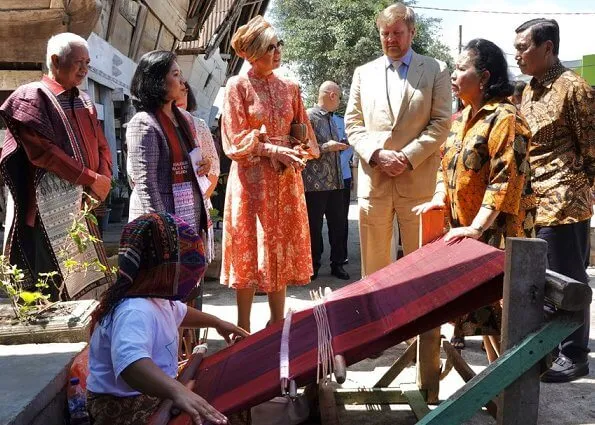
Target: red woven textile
<point x="429" y="287"/>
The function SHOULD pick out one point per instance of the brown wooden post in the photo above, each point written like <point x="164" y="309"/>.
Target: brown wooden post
<point x="428" y="347"/>
<point x="524" y="283"/>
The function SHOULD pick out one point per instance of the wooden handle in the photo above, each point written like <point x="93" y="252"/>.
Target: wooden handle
<point x="340" y="369"/>
<point x="166" y="408"/>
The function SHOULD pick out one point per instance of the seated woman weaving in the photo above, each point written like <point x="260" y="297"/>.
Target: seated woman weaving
<point x="134" y="342"/>
<point x="484" y="178"/>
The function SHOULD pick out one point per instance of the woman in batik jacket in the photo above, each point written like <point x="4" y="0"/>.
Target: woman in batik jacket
<point x="484" y="178"/>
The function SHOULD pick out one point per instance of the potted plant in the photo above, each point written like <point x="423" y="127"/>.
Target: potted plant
<point x="118" y="198"/>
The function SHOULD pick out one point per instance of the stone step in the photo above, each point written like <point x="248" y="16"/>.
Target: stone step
<point x="33" y="384"/>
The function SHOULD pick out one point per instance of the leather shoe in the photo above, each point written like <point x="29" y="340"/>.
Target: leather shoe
<point x="565" y="370"/>
<point x="339" y="272"/>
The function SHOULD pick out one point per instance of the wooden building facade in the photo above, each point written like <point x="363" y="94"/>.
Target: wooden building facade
<point x="119" y="32"/>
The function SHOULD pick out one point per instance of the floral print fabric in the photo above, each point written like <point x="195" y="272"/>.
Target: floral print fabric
<point x="485" y="164"/>
<point x="207" y="145"/>
<point x="266" y="239"/>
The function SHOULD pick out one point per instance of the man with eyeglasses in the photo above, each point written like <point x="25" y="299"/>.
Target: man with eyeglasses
<point x="323" y="182"/>
<point x="559" y="106"/>
<point x="397" y="117"/>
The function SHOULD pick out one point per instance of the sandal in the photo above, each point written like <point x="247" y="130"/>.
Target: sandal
<point x="458" y="342"/>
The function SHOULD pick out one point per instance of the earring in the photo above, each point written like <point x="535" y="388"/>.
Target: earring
<point x="481" y="87"/>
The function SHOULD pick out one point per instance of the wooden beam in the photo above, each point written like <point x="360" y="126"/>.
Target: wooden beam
<point x="462" y="405"/>
<point x="224" y="28"/>
<point x="566" y="293"/>
<point x="524" y="284"/>
<point x="138" y="31"/>
<point x="148" y="39"/>
<point x="29" y="4"/>
<point x="113" y="17"/>
<point x="10" y="80"/>
<point x="428" y="364"/>
<point x="129" y="10"/>
<point x="416" y="400"/>
<point x="166" y="409"/>
<point x="327" y="404"/>
<point x="345" y="396"/>
<point x="172" y="14"/>
<point x="465" y="371"/>
<point x="397" y="367"/>
<point x="428" y="347"/>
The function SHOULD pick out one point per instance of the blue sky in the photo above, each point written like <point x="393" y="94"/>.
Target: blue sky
<point x="576" y="32"/>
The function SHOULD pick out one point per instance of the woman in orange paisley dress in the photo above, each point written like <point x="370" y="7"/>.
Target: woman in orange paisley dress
<point x="266" y="241"/>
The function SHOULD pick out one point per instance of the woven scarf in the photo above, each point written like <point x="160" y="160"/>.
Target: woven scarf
<point x="162" y="256"/>
<point x="184" y="185"/>
<point x="35" y="106"/>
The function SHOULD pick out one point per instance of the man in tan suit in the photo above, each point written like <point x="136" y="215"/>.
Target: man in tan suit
<point x="397" y="117"/>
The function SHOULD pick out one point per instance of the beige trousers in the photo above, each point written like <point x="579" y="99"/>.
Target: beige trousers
<point x="376" y="227"/>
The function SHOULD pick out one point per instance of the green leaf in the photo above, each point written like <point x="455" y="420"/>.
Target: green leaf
<point x="30" y="297"/>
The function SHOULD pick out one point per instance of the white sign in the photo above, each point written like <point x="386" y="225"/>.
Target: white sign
<point x="108" y="66"/>
<point x="100" y="113"/>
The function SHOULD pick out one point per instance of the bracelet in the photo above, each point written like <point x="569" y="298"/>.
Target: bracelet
<point x="439" y="191"/>
<point x="477" y="227"/>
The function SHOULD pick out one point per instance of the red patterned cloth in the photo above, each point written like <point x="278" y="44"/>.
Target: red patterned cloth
<point x="429" y="287"/>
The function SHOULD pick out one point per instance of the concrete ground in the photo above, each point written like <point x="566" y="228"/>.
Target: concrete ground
<point x="32" y="382"/>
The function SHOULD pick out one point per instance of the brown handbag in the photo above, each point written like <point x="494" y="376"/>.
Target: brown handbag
<point x="298" y="131"/>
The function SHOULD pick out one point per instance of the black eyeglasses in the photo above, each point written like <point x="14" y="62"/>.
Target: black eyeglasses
<point x="276" y="47"/>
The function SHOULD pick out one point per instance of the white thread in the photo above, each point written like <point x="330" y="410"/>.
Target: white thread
<point x="325" y="347"/>
<point x="284" y="353"/>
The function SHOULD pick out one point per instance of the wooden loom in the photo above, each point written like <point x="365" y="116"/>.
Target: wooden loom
<point x="526" y="339"/>
<point x="524" y="272"/>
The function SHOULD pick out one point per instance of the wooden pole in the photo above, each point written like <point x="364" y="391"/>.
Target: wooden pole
<point x="513" y="363"/>
<point x="465" y="371"/>
<point x="166" y="408"/>
<point x="524" y="283"/>
<point x="428" y="346"/>
<point x="402" y="362"/>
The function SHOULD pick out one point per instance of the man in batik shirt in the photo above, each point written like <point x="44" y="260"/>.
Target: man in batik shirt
<point x="323" y="182"/>
<point x="52" y="128"/>
<point x="560" y="109"/>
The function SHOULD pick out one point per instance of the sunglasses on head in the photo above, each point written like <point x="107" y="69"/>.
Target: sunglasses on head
<point x="276" y="47"/>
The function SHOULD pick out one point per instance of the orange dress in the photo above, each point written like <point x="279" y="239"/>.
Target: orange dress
<point x="266" y="239"/>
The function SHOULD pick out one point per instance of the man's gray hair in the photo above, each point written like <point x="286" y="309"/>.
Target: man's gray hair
<point x="61" y="44"/>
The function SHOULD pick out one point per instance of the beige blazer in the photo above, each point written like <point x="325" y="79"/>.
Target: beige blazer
<point x="417" y="128"/>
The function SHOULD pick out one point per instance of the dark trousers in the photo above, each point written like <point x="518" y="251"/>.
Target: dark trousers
<point x="38" y="255"/>
<point x="327" y="203"/>
<point x="568" y="247"/>
<point x="346" y="201"/>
